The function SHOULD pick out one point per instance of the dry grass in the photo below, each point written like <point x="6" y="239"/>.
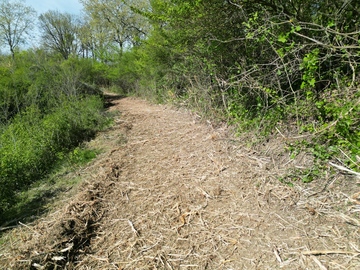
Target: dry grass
<point x="173" y="193"/>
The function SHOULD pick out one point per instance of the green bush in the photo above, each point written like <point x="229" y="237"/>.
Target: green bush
<point x="31" y="143"/>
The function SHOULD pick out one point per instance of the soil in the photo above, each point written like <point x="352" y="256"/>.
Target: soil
<point x="171" y="191"/>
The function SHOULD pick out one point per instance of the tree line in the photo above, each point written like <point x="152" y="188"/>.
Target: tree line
<point x="107" y="28"/>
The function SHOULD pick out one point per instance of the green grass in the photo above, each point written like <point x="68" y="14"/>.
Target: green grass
<point x="38" y="198"/>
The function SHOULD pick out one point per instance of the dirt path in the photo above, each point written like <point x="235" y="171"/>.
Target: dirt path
<point x="171" y="193"/>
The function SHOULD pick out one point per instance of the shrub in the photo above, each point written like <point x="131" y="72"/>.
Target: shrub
<point x="31" y="143"/>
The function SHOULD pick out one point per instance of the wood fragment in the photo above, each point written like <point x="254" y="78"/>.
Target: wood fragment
<point x="328" y="252"/>
<point x="133" y="228"/>
<point x="350" y="220"/>
<point x="204" y="193"/>
<point x="311" y="210"/>
<point x="344" y="169"/>
<point x="68" y="248"/>
<point x="31" y="229"/>
<point x="277" y="255"/>
<point x="321" y="266"/>
<point x="8" y="228"/>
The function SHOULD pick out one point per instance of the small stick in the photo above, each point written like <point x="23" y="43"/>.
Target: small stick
<point x="350" y="220"/>
<point x="8" y="228"/>
<point x="342" y="168"/>
<point x="276" y="252"/>
<point x="133" y="228"/>
<point x="22" y="224"/>
<point x="321" y="266"/>
<point x="326" y="252"/>
<point x="282" y="135"/>
<point x="204" y="193"/>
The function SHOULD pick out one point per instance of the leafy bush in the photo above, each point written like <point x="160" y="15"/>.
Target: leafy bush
<point x="260" y="66"/>
<point x="31" y="143"/>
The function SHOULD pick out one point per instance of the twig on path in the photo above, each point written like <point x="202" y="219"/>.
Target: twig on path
<point x="350" y="220"/>
<point x="344" y="169"/>
<point x="8" y="228"/>
<point x="321" y="266"/>
<point x="131" y="225"/>
<point x="204" y="193"/>
<point x="327" y="252"/>
<point x="277" y="255"/>
<point x="133" y="228"/>
<point x="22" y="224"/>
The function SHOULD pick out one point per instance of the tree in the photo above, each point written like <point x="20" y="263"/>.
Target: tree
<point x="59" y="32"/>
<point x="95" y="40"/>
<point x="16" y="19"/>
<point x="124" y="27"/>
<point x="85" y="39"/>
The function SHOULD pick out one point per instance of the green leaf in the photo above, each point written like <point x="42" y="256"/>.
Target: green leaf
<point x="281" y="52"/>
<point x="331" y="24"/>
<point x="282" y="38"/>
<point x="312" y="82"/>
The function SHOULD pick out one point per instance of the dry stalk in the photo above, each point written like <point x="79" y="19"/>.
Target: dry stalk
<point x="344" y="169"/>
<point x="350" y="220"/>
<point x="133" y="228"/>
<point x="31" y="229"/>
<point x="277" y="255"/>
<point x="321" y="266"/>
<point x="329" y="252"/>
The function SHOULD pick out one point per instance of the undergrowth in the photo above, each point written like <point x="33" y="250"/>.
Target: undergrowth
<point x="30" y="203"/>
<point x="32" y="144"/>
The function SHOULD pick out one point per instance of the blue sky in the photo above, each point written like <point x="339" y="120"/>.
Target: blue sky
<point x="41" y="6"/>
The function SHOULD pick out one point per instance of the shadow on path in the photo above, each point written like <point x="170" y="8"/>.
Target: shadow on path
<point x="109" y="99"/>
